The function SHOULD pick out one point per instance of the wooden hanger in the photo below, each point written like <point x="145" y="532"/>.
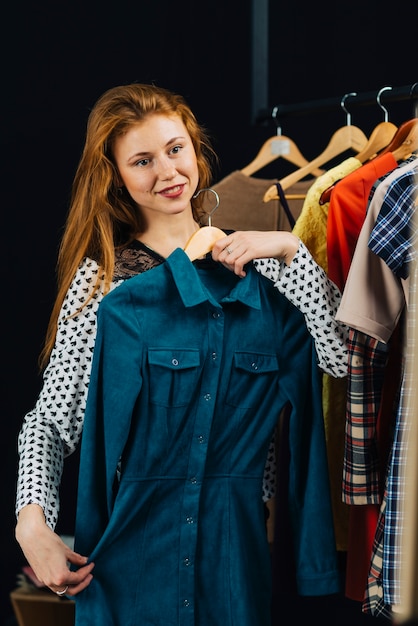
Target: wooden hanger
<point x="202" y="241"/>
<point x="275" y="147"/>
<point x="347" y="137"/>
<point x="379" y="139"/>
<point x="405" y="140"/>
<point x="381" y="136"/>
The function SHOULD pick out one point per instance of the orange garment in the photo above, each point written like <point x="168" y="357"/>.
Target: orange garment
<point x="346" y="212"/>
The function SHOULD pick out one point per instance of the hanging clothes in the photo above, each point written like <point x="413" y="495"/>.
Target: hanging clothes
<point x="374" y="374"/>
<point x="311" y="225"/>
<point x="373" y="297"/>
<point x="241" y="205"/>
<point x="205" y="362"/>
<point x="346" y="212"/>
<point x="347" y="209"/>
<point x="373" y="302"/>
<point x="311" y="228"/>
<point x="407" y="541"/>
<point x="394" y="239"/>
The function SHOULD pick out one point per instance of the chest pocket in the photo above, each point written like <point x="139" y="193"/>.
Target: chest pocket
<point x="173" y="375"/>
<point x="252" y="377"/>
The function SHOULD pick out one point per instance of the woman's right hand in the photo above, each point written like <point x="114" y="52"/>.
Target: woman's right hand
<point x="243" y="246"/>
<point x="49" y="556"/>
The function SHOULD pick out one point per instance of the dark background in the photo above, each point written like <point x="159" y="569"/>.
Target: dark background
<point x="58" y="57"/>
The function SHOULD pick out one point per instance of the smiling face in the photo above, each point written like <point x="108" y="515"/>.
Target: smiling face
<point x="157" y="164"/>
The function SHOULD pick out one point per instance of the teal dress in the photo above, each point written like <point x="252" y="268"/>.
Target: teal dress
<point x="192" y="368"/>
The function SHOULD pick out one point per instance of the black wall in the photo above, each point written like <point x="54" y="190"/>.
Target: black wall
<point x="58" y="57"/>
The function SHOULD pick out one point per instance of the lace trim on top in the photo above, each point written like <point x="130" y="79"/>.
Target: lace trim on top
<point x="134" y="259"/>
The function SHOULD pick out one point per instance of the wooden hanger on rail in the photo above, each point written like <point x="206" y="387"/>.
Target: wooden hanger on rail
<point x="405" y="140"/>
<point x="380" y="138"/>
<point x="277" y="146"/>
<point x="347" y="137"/>
<point x="404" y="143"/>
<point x="202" y="241"/>
<point x="381" y="135"/>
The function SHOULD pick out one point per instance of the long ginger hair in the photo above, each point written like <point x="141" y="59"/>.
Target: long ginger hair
<point x="102" y="215"/>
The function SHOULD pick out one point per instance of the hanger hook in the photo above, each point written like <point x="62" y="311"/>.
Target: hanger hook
<point x="276" y="121"/>
<point x="384" y="109"/>
<point x="343" y="99"/>
<point x="216" y="205"/>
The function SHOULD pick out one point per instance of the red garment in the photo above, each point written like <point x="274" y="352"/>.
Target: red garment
<point x="346" y="213"/>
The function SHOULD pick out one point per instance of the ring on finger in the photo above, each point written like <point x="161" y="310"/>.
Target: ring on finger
<point x="229" y="250"/>
<point x="63" y="592"/>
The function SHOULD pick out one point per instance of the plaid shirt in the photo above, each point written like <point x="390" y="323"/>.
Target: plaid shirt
<point x="391" y="237"/>
<point x="367" y="359"/>
<point x="394" y="239"/>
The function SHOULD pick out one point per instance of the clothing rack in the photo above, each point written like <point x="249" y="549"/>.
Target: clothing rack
<point x="350" y="100"/>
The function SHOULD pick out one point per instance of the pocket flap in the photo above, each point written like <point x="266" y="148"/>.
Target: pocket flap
<point x="256" y="363"/>
<point x="173" y="358"/>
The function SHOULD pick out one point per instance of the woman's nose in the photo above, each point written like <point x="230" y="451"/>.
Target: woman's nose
<point x="167" y="171"/>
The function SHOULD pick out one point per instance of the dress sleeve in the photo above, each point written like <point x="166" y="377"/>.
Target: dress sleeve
<point x="52" y="429"/>
<point x="306" y="285"/>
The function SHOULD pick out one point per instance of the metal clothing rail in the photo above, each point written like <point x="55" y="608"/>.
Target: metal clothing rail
<point x="351" y="101"/>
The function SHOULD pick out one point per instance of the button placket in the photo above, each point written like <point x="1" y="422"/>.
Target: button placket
<point x="197" y="461"/>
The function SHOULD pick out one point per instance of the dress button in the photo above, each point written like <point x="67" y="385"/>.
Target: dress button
<point x="186" y="603"/>
<point x="186" y="560"/>
<point x="174" y="362"/>
<point x="207" y="397"/>
<point x="193" y="480"/>
<point x="190" y="520"/>
<point x="254" y="366"/>
<point x="201" y="439"/>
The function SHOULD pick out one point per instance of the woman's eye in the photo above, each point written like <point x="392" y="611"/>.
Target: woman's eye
<point x="176" y="149"/>
<point x="142" y="162"/>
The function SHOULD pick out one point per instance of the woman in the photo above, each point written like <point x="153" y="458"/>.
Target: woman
<point x="135" y="202"/>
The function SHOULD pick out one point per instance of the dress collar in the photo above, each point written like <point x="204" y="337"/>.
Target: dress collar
<point x="193" y="291"/>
